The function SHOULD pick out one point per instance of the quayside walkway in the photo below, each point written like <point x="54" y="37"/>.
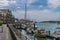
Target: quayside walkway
<point x="10" y="33"/>
<point x="4" y="33"/>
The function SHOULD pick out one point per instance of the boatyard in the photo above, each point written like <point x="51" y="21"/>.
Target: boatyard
<point x="15" y="29"/>
<point x="33" y="23"/>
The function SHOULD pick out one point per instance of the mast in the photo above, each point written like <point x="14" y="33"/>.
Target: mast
<point x="25" y="17"/>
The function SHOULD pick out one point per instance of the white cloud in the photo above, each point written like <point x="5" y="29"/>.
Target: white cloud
<point x="6" y="2"/>
<point x="41" y="6"/>
<point x="31" y="1"/>
<point x="28" y="1"/>
<point x="3" y="2"/>
<point x="39" y="15"/>
<point x="12" y="2"/>
<point x="54" y="3"/>
<point x="18" y="7"/>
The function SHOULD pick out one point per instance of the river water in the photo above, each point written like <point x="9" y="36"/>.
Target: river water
<point x="47" y="26"/>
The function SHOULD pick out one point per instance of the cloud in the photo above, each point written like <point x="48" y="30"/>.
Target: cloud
<point x="31" y="1"/>
<point x="43" y="15"/>
<point x="12" y="2"/>
<point x="6" y="2"/>
<point x="35" y="13"/>
<point x="54" y="3"/>
<point x="28" y="1"/>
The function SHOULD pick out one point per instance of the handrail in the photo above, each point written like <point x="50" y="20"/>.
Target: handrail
<point x="17" y="32"/>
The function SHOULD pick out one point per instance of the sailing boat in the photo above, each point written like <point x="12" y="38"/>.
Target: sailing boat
<point x="26" y="23"/>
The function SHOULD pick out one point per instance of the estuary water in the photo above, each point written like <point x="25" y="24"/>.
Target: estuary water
<point x="47" y="26"/>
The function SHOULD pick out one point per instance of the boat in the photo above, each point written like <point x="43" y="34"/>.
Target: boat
<point x="31" y="30"/>
<point x="41" y="33"/>
<point x="56" y="33"/>
<point x="57" y="30"/>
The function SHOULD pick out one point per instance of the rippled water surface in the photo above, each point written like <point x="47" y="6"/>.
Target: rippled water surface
<point x="47" y="26"/>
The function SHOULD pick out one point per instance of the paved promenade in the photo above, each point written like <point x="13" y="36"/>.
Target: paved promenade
<point x="4" y="33"/>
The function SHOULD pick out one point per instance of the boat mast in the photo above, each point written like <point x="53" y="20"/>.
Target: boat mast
<point x="25" y="17"/>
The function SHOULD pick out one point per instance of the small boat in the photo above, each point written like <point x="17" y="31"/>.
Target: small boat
<point x="57" y="31"/>
<point x="41" y="33"/>
<point x="31" y="30"/>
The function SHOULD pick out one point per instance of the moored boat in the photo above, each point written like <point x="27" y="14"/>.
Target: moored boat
<point x="41" y="33"/>
<point x="31" y="30"/>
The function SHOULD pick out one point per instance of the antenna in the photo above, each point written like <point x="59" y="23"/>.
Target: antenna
<point x="25" y="17"/>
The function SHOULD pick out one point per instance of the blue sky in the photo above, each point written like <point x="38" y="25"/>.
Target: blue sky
<point x="37" y="10"/>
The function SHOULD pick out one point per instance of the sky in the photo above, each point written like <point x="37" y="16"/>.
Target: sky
<point x="37" y="10"/>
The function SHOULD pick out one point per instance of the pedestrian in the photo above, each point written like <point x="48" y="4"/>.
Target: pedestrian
<point x="1" y="29"/>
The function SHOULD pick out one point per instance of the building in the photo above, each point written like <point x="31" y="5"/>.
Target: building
<point x="6" y="16"/>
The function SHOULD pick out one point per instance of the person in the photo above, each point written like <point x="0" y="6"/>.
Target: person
<point x="7" y="25"/>
<point x="49" y="32"/>
<point x="1" y="29"/>
<point x="32" y="32"/>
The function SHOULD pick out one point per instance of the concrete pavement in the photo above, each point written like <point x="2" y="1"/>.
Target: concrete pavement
<point x="4" y="33"/>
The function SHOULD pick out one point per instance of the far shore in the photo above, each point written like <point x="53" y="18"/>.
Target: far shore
<point x="49" y="22"/>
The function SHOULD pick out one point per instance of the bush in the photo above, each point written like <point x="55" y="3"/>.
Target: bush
<point x="1" y="22"/>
